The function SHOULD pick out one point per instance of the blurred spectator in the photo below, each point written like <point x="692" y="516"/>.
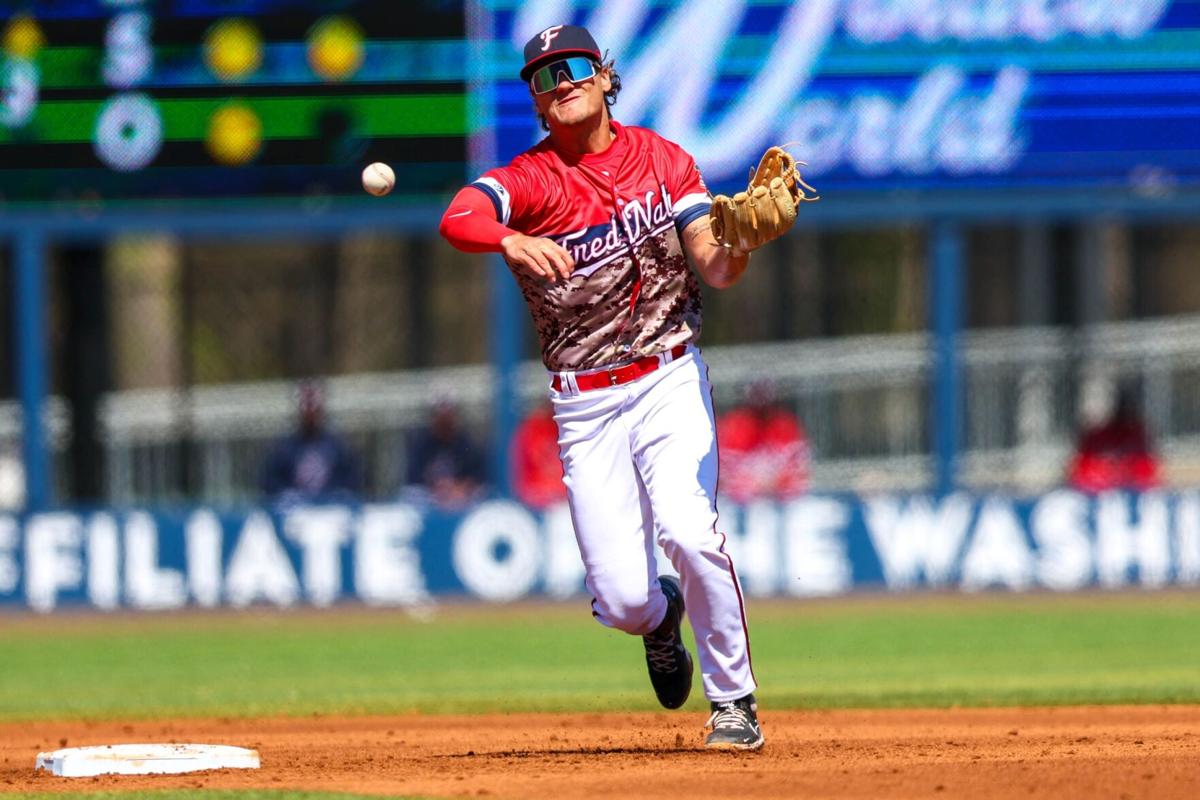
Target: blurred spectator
<point x="537" y="472"/>
<point x="313" y="464"/>
<point x="1116" y="453"/>
<point x="763" y="449"/>
<point x="445" y="466"/>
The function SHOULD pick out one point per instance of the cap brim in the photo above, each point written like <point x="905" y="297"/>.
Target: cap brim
<point x="528" y="70"/>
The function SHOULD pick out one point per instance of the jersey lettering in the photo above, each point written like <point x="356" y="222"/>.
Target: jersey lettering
<point x="595" y="246"/>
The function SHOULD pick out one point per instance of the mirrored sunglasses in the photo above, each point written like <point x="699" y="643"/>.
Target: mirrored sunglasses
<point x="575" y="68"/>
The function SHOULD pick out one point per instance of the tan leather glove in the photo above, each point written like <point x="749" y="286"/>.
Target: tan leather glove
<point x="767" y="209"/>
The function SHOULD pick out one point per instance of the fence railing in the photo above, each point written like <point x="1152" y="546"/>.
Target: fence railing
<point x="863" y="401"/>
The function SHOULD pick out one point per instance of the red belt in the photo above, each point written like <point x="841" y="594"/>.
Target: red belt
<point x="603" y="379"/>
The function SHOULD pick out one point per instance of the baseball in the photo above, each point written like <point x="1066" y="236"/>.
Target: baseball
<point x="378" y="179"/>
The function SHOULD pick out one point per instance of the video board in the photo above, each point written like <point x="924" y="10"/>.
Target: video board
<point x="895" y="95"/>
<point x="119" y="100"/>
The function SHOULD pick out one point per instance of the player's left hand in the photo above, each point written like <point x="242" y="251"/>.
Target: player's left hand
<point x="767" y="209"/>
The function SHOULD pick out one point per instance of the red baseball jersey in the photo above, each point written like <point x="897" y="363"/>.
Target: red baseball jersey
<point x="619" y="213"/>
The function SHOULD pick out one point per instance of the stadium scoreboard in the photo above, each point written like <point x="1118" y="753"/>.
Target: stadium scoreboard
<point x="129" y="100"/>
<point x="897" y="97"/>
<point x="209" y="100"/>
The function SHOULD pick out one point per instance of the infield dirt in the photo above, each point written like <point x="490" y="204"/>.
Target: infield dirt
<point x="1062" y="752"/>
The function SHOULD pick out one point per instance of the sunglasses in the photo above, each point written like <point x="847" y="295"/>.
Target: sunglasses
<point x="547" y="78"/>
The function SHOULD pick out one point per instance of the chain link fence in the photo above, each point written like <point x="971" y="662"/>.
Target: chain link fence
<point x="177" y="360"/>
<point x="202" y="342"/>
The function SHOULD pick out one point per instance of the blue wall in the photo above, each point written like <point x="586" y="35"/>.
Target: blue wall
<point x="399" y="555"/>
<point x="880" y="95"/>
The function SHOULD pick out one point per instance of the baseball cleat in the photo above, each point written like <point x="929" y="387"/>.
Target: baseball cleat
<point x="667" y="659"/>
<point x="734" y="725"/>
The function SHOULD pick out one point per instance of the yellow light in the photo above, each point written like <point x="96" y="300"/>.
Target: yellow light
<point x="233" y="49"/>
<point x="335" y="48"/>
<point x="23" y="38"/>
<point x="234" y="135"/>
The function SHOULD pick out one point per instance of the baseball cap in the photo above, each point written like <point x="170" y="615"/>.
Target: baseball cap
<point x="558" y="41"/>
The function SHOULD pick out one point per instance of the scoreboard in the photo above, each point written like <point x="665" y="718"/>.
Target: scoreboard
<point x="211" y="100"/>
<point x="208" y="100"/>
<point x="893" y="98"/>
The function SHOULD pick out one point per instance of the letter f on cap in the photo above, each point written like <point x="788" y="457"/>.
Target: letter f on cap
<point x="548" y="36"/>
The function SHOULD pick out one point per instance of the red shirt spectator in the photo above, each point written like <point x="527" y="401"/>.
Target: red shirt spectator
<point x="1115" y="454"/>
<point x="763" y="452"/>
<point x="537" y="472"/>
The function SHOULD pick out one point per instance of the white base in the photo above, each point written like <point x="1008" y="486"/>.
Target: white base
<point x="144" y="759"/>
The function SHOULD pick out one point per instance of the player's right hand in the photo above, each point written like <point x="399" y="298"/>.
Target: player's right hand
<point x="544" y="258"/>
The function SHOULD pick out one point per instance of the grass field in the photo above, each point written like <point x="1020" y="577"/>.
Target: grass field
<point x="919" y="650"/>
<point x="884" y="652"/>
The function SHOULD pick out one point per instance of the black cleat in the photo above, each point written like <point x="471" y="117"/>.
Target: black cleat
<point x="668" y="660"/>
<point x="734" y="725"/>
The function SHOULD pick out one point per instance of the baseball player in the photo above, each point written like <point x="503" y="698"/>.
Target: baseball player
<point x="598" y="223"/>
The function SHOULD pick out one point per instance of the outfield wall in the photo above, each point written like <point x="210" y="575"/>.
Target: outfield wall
<point x="402" y="555"/>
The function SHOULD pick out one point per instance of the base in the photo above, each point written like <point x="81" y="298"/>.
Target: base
<point x="144" y="759"/>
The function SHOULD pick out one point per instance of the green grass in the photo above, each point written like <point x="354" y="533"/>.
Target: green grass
<point x="875" y="652"/>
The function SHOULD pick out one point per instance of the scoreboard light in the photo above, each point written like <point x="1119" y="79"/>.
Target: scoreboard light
<point x="335" y="48"/>
<point x="233" y="49"/>
<point x="234" y="135"/>
<point x="145" y="102"/>
<point x="23" y="38"/>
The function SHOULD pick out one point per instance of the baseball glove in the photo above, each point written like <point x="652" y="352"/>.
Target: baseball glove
<point x="767" y="209"/>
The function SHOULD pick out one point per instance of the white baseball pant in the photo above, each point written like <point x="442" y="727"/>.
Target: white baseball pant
<point x="640" y="465"/>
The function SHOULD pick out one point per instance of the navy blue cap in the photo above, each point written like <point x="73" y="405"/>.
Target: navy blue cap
<point x="558" y="41"/>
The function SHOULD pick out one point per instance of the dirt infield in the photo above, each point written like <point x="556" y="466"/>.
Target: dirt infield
<point x="1092" y="752"/>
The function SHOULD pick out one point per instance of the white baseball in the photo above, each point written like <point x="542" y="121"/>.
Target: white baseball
<point x="378" y="179"/>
